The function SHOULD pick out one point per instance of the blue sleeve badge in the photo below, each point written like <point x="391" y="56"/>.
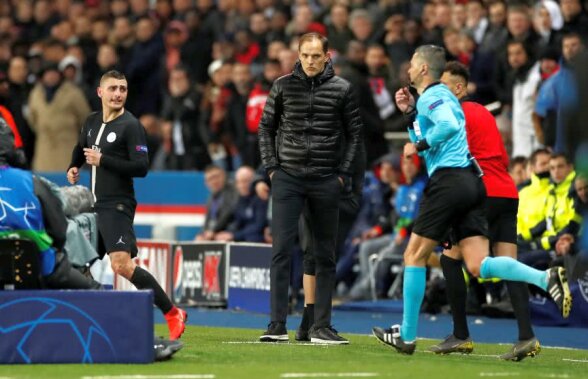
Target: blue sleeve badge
<point x="435" y="104"/>
<point x="142" y="148"/>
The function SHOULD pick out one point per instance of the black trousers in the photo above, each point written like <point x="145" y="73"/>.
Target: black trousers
<point x="348" y="209"/>
<point x="289" y="195"/>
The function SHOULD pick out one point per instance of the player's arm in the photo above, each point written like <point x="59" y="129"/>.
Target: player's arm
<point x="138" y="163"/>
<point x="268" y="126"/>
<point x="353" y="131"/>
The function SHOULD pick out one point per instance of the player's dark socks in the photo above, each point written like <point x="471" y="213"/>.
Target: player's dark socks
<point x="456" y="295"/>
<point x="307" y="317"/>
<point x="143" y="280"/>
<point x="519" y="296"/>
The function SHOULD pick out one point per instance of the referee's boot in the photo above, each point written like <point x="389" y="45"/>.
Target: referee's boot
<point x="559" y="290"/>
<point x="522" y="350"/>
<point x="276" y="332"/>
<point x="452" y="344"/>
<point x="391" y="337"/>
<point x="176" y="322"/>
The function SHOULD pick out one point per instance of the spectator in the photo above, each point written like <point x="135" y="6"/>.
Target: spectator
<point x="496" y="33"/>
<point x="196" y="52"/>
<point x="532" y="196"/>
<point x="559" y="95"/>
<point x="517" y="168"/>
<point x="250" y="213"/>
<point x="476" y="23"/>
<point x="144" y="69"/>
<point x="575" y="19"/>
<point x="221" y="203"/>
<point x="548" y="23"/>
<point x="184" y="140"/>
<point x="559" y="216"/>
<point x="383" y="83"/>
<point x="255" y="104"/>
<point x="57" y="109"/>
<point x="337" y="27"/>
<point x="17" y="102"/>
<point x="362" y="26"/>
<point x="527" y="78"/>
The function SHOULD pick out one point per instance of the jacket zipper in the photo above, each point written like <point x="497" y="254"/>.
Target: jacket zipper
<point x="311" y="118"/>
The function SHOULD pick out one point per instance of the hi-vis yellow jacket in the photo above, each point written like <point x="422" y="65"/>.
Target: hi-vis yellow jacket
<point x="559" y="215"/>
<point x="531" y="213"/>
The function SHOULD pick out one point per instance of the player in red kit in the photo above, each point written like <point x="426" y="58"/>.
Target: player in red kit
<point x="486" y="146"/>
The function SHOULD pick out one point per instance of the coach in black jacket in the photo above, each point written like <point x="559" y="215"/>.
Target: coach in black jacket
<point x="307" y="116"/>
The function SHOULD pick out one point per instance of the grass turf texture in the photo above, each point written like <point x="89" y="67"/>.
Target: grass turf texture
<point x="206" y="351"/>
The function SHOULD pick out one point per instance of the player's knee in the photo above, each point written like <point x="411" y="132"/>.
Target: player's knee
<point x="122" y="267"/>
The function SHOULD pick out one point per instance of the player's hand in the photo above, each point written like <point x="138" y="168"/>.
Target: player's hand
<point x="409" y="150"/>
<point x="404" y="100"/>
<point x="92" y="157"/>
<point x="73" y="175"/>
<point x="262" y="190"/>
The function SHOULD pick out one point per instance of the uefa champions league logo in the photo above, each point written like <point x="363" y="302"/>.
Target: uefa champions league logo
<point x="64" y="329"/>
<point x="583" y="284"/>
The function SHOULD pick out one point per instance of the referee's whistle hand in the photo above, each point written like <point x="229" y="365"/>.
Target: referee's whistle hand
<point x="92" y="157"/>
<point x="73" y="175"/>
<point x="409" y="149"/>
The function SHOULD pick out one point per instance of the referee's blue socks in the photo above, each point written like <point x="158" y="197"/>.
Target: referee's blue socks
<point x="510" y="269"/>
<point x="414" y="291"/>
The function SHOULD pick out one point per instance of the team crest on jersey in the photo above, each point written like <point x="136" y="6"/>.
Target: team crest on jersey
<point x="111" y="137"/>
<point x="142" y="148"/>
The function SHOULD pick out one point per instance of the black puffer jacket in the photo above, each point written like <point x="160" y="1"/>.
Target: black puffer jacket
<point x="304" y="124"/>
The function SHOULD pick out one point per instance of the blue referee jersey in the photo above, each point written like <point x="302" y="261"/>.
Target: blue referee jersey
<point x="441" y="122"/>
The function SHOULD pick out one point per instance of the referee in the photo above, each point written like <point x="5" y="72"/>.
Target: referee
<point x="113" y="143"/>
<point x="453" y="199"/>
<point x="502" y="206"/>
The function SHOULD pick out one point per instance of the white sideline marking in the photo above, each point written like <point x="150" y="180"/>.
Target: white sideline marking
<point x="182" y="376"/>
<point x="281" y="343"/>
<point x="499" y="374"/>
<point x="575" y="360"/>
<point x="329" y="375"/>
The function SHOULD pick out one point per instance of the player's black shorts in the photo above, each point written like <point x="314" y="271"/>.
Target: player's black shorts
<point x="115" y="228"/>
<point x="502" y="219"/>
<point x="454" y="199"/>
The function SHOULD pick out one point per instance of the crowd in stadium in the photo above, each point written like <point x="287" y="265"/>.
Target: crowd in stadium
<point x="199" y="72"/>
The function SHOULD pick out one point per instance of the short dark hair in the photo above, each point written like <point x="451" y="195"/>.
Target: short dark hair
<point x="434" y="57"/>
<point x="457" y="69"/>
<point x="518" y="160"/>
<point x="561" y="155"/>
<point x="536" y="153"/>
<point x="113" y="74"/>
<point x="311" y="36"/>
<point x="570" y="35"/>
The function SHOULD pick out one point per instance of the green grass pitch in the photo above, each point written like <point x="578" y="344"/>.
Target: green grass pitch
<point x="219" y="353"/>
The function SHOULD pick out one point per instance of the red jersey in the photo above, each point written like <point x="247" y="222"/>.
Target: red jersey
<point x="487" y="147"/>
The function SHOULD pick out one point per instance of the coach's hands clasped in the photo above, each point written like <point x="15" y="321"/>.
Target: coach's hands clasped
<point x="92" y="157"/>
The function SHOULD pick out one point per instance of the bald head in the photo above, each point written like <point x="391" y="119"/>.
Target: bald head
<point x="243" y="180"/>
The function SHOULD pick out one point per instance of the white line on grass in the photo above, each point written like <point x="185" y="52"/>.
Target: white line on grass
<point x="575" y="360"/>
<point x="499" y="374"/>
<point x="563" y="376"/>
<point x="181" y="376"/>
<point x="330" y="375"/>
<point x="284" y="343"/>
